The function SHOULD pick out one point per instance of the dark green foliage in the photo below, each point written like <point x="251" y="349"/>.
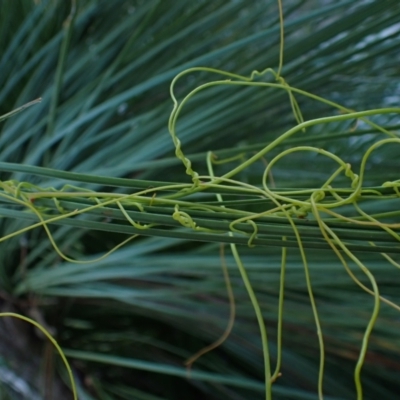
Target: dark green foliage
<point x="129" y="322"/>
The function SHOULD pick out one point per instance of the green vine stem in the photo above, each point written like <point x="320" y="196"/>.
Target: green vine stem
<point x="53" y="341"/>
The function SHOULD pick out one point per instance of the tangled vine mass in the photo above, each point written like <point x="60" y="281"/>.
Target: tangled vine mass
<point x="305" y="219"/>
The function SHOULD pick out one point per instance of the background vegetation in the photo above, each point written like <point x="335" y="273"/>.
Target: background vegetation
<point x="129" y="321"/>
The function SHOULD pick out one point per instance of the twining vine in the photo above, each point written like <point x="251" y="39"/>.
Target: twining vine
<point x="322" y="205"/>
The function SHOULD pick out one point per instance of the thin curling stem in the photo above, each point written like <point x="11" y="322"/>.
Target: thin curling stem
<point x="254" y="302"/>
<point x="53" y="341"/>
<point x="282" y="39"/>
